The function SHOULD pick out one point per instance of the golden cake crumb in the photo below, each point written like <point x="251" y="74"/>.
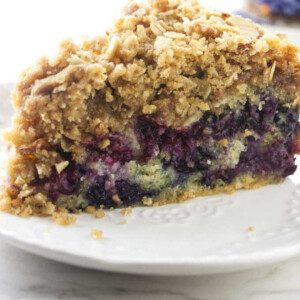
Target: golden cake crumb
<point x="204" y="106"/>
<point x="251" y="228"/>
<point x="96" y="234"/>
<point x="100" y="213"/>
<point x="223" y="142"/>
<point x="61" y="217"/>
<point x="26" y="212"/>
<point x="247" y="133"/>
<point x="105" y="143"/>
<point x="5" y="204"/>
<point x="48" y="209"/>
<point x="116" y="199"/>
<point x="126" y="211"/>
<point x="147" y="201"/>
<point x="61" y="166"/>
<point x="123" y="222"/>
<point x="149" y="109"/>
<point x="90" y="209"/>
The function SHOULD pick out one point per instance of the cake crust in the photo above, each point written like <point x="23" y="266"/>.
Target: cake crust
<point x="172" y="59"/>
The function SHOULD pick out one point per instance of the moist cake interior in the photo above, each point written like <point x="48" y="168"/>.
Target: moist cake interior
<point x="153" y="159"/>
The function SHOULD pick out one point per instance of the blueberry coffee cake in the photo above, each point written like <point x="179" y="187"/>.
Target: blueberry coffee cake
<point x="174" y="101"/>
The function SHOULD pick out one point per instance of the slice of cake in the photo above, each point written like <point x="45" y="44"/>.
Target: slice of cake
<point x="173" y="102"/>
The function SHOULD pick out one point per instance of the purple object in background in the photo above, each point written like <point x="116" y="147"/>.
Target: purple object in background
<point x="282" y="8"/>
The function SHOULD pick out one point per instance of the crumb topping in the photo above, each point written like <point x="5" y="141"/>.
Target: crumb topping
<point x="250" y="229"/>
<point x="147" y="201"/>
<point x="126" y="211"/>
<point x="61" y="166"/>
<point x="100" y="214"/>
<point x="90" y="209"/>
<point x="61" y="217"/>
<point x="96" y="234"/>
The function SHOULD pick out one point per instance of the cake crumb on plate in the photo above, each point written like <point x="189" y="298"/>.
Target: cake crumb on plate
<point x="90" y="210"/>
<point x="127" y="211"/>
<point x="100" y="214"/>
<point x="61" y="217"/>
<point x="96" y="234"/>
<point x="251" y="228"/>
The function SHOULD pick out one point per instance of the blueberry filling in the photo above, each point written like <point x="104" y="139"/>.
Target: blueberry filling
<point x="287" y="119"/>
<point x="188" y="151"/>
<point x="96" y="193"/>
<point x="131" y="193"/>
<point x="116" y="151"/>
<point x="188" y="156"/>
<point x="128" y="192"/>
<point x="276" y="157"/>
<point x="67" y="182"/>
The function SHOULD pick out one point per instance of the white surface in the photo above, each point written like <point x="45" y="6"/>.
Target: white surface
<point x="32" y="28"/>
<point x="27" y="277"/>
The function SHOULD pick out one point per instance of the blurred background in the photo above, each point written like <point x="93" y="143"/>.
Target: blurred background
<point x="32" y="28"/>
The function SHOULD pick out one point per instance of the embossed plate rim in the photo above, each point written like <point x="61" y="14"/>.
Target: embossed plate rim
<point x="185" y="265"/>
<point x="180" y="267"/>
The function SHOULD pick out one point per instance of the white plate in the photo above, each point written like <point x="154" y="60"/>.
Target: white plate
<point x="200" y="236"/>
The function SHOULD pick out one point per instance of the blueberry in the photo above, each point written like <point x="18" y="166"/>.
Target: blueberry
<point x="287" y="119"/>
<point x="130" y="192"/>
<point x="252" y="150"/>
<point x="68" y="181"/>
<point x="254" y="160"/>
<point x="225" y="175"/>
<point x="96" y="194"/>
<point x="150" y="136"/>
<point x="268" y="109"/>
<point x="116" y="151"/>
